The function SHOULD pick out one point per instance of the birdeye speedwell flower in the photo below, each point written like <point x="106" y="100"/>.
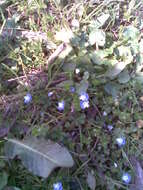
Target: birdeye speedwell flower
<point x="57" y="186"/>
<point x="27" y="98"/>
<point x="72" y="89"/>
<point x="84" y="104"/>
<point x="121" y="141"/>
<point x="126" y="178"/>
<point x="61" y="105"/>
<point x="50" y="94"/>
<point x="110" y="127"/>
<point x="84" y="96"/>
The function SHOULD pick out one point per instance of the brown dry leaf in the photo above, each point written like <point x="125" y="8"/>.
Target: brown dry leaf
<point x="141" y="99"/>
<point x="139" y="124"/>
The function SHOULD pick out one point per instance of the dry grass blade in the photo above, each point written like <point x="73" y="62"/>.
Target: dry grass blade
<point x="55" y="55"/>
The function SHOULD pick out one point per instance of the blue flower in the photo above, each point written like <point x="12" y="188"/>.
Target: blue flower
<point x="61" y="105"/>
<point x="84" y="96"/>
<point x="110" y="127"/>
<point x="27" y="98"/>
<point x="126" y="178"/>
<point x="57" y="186"/>
<point x="84" y="104"/>
<point x="50" y="94"/>
<point x="104" y="113"/>
<point x="121" y="141"/>
<point x="72" y="89"/>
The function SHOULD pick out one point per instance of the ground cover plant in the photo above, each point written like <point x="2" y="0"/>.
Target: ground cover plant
<point x="71" y="96"/>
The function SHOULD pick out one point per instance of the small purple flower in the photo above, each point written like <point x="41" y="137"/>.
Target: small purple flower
<point x="84" y="104"/>
<point x="27" y="98"/>
<point x="50" y="94"/>
<point x="126" y="178"/>
<point x="72" y="89"/>
<point x="61" y="105"/>
<point x="84" y="96"/>
<point x="110" y="127"/>
<point x="121" y="141"/>
<point x="104" y="113"/>
<point x="57" y="186"/>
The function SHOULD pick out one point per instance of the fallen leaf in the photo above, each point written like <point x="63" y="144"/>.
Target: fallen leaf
<point x="139" y="124"/>
<point x="138" y="180"/>
<point x="141" y="99"/>
<point x="38" y="155"/>
<point x="91" y="181"/>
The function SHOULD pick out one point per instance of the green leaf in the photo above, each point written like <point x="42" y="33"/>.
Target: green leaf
<point x="100" y="21"/>
<point x="3" y="5"/>
<point x="82" y="86"/>
<point x="11" y="188"/>
<point x="64" y="35"/>
<point x="61" y="3"/>
<point x="68" y="50"/>
<point x="95" y="58"/>
<point x="9" y="30"/>
<point x="116" y="70"/>
<point x="122" y="51"/>
<point x="3" y="180"/>
<point x="86" y="75"/>
<point x="69" y="67"/>
<point x="80" y="119"/>
<point x="131" y="32"/>
<point x="75" y="41"/>
<point x="66" y="84"/>
<point x="124" y="117"/>
<point x="112" y="89"/>
<point x="38" y="155"/>
<point x="97" y="36"/>
<point x="141" y="46"/>
<point x="124" y="77"/>
<point x="2" y="164"/>
<point x="139" y="77"/>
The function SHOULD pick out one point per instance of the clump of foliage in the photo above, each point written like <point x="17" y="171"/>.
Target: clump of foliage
<point x="71" y="76"/>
